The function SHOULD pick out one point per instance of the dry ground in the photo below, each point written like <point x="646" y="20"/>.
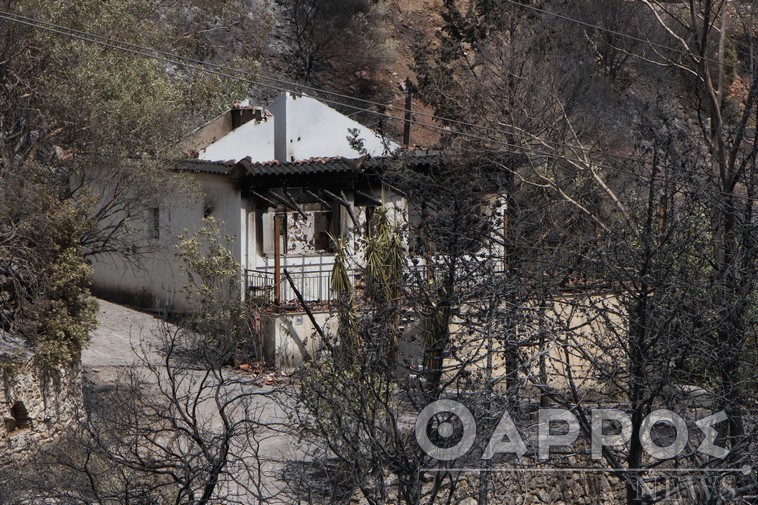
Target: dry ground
<point x="122" y="333"/>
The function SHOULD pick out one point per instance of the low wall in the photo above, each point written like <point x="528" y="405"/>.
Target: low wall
<point x="37" y="406"/>
<point x="290" y="338"/>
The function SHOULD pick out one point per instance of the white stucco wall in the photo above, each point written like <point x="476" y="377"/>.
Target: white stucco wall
<point x="156" y="282"/>
<point x="307" y="128"/>
<point x="295" y="127"/>
<point x="254" y="139"/>
<point x="298" y="127"/>
<point x="290" y="339"/>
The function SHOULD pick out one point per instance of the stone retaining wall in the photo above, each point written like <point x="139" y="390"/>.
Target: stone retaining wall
<point x="37" y="405"/>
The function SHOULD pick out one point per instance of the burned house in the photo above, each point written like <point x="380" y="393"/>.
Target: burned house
<point x="294" y="213"/>
<point x="285" y="181"/>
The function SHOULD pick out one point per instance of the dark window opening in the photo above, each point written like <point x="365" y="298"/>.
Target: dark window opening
<point x="207" y="210"/>
<point x="310" y="235"/>
<point x="325" y="229"/>
<point x="19" y="419"/>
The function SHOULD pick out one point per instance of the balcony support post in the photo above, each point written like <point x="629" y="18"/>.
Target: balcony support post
<point x="277" y="260"/>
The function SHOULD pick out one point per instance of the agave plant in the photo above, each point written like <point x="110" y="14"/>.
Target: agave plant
<point x="342" y="287"/>
<point x="385" y="259"/>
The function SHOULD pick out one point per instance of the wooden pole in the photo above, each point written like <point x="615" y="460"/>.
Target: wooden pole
<point x="408" y="114"/>
<point x="277" y="259"/>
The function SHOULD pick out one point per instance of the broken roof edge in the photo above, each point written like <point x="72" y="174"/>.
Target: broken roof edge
<point x="310" y="166"/>
<point x="315" y="165"/>
<point x="222" y="125"/>
<point x="207" y="134"/>
<point x="206" y="166"/>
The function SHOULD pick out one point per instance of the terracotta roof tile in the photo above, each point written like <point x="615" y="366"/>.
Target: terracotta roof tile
<point x="311" y="166"/>
<point x="206" y="167"/>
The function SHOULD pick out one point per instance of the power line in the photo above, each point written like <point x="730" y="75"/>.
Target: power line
<point x="158" y="55"/>
<point x="167" y="57"/>
<point x="207" y="66"/>
<point x="622" y="34"/>
<point x="194" y="63"/>
<point x="240" y="75"/>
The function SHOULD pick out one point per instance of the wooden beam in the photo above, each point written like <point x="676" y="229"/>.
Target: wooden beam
<point x="342" y="201"/>
<point x="368" y="197"/>
<point x="287" y="204"/>
<point x="349" y="208"/>
<point x="277" y="260"/>
<point x="318" y="198"/>
<point x="261" y="197"/>
<point x="294" y="203"/>
<point x="396" y="190"/>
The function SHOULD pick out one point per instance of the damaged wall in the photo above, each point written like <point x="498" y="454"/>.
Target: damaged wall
<point x="304" y="235"/>
<point x="37" y="404"/>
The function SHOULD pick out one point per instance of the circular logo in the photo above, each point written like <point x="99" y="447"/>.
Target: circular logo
<point x="446" y="414"/>
<point x="650" y="446"/>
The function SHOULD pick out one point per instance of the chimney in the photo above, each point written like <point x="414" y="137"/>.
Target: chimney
<point x="243" y="113"/>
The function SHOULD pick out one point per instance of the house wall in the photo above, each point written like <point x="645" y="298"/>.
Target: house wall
<point x="306" y="128"/>
<point x="254" y="139"/>
<point x="290" y="339"/>
<point x="309" y="266"/>
<point x="296" y="127"/>
<point x="210" y="132"/>
<point x="156" y="280"/>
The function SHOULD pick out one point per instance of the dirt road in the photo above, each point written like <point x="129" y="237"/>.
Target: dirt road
<point x="117" y="344"/>
<point x="120" y="334"/>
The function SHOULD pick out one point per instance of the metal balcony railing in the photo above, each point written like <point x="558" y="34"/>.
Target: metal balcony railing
<point x="313" y="285"/>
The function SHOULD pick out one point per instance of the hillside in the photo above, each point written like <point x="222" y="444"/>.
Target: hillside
<point x="579" y="251"/>
<point x="377" y="75"/>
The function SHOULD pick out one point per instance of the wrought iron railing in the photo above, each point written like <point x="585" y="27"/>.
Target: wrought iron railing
<point x="313" y="285"/>
<point x="313" y="282"/>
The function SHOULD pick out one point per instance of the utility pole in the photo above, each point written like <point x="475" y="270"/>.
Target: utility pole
<point x="409" y="89"/>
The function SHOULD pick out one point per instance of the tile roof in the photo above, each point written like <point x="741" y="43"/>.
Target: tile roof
<point x="312" y="166"/>
<point x="206" y="167"/>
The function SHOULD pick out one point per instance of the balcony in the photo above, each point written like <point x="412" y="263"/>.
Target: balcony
<point x="314" y="282"/>
<point x="314" y="285"/>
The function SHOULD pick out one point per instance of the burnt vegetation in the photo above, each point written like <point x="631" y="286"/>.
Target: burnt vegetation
<point x="588" y="239"/>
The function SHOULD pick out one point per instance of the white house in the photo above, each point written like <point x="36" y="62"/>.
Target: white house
<point x="293" y="128"/>
<point x="290" y="170"/>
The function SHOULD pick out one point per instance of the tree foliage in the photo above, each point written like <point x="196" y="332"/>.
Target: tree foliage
<point x="100" y="101"/>
<point x="44" y="281"/>
<point x="333" y="37"/>
<point x="86" y="129"/>
<point x="219" y="318"/>
<point x="179" y="426"/>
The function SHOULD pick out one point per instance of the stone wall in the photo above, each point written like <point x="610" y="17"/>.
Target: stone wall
<point x="522" y="487"/>
<point x="37" y="404"/>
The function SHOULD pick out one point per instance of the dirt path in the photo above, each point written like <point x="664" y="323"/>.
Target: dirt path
<point x="120" y="333"/>
<point x="116" y="346"/>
